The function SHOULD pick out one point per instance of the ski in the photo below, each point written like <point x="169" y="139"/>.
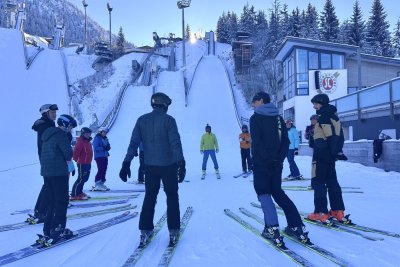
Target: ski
<point x="321" y="251"/>
<point x="308" y="188"/>
<point x="331" y="227"/>
<point x="32" y="220"/>
<point x="247" y="174"/>
<point x="286" y="179"/>
<point x="286" y="251"/>
<point x="31" y="250"/>
<point x="121" y="191"/>
<point x="240" y="174"/>
<point x="138" y="252"/>
<point x="79" y="205"/>
<point x="169" y="251"/>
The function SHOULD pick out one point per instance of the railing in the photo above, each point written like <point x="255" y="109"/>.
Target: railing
<point x="187" y="87"/>
<point x="380" y="98"/>
<point x="171" y="59"/>
<point x="65" y="68"/>
<point x="29" y="60"/>
<point x="238" y="118"/>
<point x="110" y="119"/>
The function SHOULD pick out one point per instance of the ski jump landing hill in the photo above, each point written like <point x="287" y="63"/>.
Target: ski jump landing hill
<point x="22" y="93"/>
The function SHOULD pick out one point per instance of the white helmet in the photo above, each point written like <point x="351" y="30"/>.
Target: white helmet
<point x="103" y="129"/>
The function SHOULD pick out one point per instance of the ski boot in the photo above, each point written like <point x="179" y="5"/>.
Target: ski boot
<point x="324" y="218"/>
<point x="145" y="236"/>
<point x="339" y="216"/>
<point x="41" y="240"/>
<point x="173" y="237"/>
<point x="272" y="233"/>
<point x="203" y="174"/>
<point x="57" y="234"/>
<point x="217" y="174"/>
<point x="299" y="233"/>
<point x="32" y="219"/>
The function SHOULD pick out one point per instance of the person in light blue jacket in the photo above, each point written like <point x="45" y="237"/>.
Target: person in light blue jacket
<point x="101" y="146"/>
<point x="293" y="150"/>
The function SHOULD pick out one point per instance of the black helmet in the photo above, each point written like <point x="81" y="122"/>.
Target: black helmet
<point x="208" y="128"/>
<point x="244" y="126"/>
<point x="66" y="120"/>
<point x="85" y="130"/>
<point x="314" y="117"/>
<point x="160" y="100"/>
<point x="322" y="99"/>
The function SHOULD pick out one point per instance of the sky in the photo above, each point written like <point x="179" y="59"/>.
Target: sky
<point x="139" y="19"/>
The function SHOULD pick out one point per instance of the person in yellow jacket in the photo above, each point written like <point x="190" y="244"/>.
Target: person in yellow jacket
<point x="208" y="147"/>
<point x="245" y="144"/>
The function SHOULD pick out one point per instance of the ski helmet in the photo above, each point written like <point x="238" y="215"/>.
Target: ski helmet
<point x="245" y="127"/>
<point x="66" y="120"/>
<point x="160" y="100"/>
<point x="322" y="99"/>
<point x="46" y="107"/>
<point x="103" y="129"/>
<point x="85" y="130"/>
<point x="208" y="128"/>
<point x="262" y="95"/>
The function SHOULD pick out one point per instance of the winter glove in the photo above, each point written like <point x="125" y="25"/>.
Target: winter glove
<point x="217" y="150"/>
<point x="296" y="151"/>
<point x="107" y="148"/>
<point x="125" y="171"/>
<point x="181" y="170"/>
<point x="71" y="167"/>
<point x="341" y="156"/>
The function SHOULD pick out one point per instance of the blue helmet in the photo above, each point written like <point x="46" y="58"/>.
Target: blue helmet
<point x="66" y="120"/>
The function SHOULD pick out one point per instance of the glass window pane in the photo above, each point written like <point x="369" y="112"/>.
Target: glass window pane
<point x="337" y="61"/>
<point x="396" y="90"/>
<point x="375" y="96"/>
<point x="347" y="103"/>
<point x="302" y="77"/>
<point x="351" y="90"/>
<point x="326" y="61"/>
<point x="302" y="91"/>
<point x="312" y="60"/>
<point x="301" y="61"/>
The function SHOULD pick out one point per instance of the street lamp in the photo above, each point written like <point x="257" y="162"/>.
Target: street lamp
<point x="85" y="6"/>
<point x="182" y="5"/>
<point x="109" y="12"/>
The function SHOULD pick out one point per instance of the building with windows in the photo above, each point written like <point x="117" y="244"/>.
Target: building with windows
<point x="348" y="77"/>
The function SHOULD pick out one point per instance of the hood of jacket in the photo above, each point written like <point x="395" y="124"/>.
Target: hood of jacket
<point x="268" y="109"/>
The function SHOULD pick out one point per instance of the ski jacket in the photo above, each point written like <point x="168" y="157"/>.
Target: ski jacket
<point x="328" y="135"/>
<point x="83" y="152"/>
<point x="294" y="139"/>
<point x="245" y="140"/>
<point x="40" y="126"/>
<point x="101" y="146"/>
<point x="56" y="151"/>
<point x="208" y="142"/>
<point x="160" y="137"/>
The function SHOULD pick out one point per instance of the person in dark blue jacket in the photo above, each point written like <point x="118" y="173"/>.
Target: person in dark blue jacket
<point x="101" y="146"/>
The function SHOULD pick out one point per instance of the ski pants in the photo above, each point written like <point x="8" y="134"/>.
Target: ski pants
<point x="210" y="153"/>
<point x="102" y="164"/>
<point x="154" y="175"/>
<point x="41" y="203"/>
<point x="83" y="177"/>
<point x="325" y="181"/>
<point x="57" y="193"/>
<point x="294" y="170"/>
<point x="141" y="166"/>
<point x="247" y="164"/>
<point x="267" y="180"/>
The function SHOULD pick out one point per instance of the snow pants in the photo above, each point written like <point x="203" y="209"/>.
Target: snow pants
<point x="268" y="180"/>
<point x="247" y="164"/>
<point x="41" y="203"/>
<point x="325" y="181"/>
<point x="83" y="177"/>
<point x="154" y="176"/>
<point x="206" y="154"/>
<point x="294" y="170"/>
<point x="102" y="164"/>
<point x="57" y="194"/>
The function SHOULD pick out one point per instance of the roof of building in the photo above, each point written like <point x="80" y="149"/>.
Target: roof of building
<point x="349" y="50"/>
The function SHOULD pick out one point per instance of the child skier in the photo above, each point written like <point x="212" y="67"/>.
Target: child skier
<point x="101" y="146"/>
<point x="245" y="144"/>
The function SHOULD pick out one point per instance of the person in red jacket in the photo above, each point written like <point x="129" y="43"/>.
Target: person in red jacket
<point x="83" y="155"/>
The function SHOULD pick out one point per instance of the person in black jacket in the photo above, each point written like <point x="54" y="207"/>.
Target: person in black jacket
<point x="163" y="161"/>
<point x="270" y="144"/>
<point x="328" y="142"/>
<point x="49" y="114"/>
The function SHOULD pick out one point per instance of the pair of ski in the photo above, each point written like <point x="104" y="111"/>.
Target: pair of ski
<point x="243" y="174"/>
<point x="285" y="250"/>
<point x="169" y="251"/>
<point x="81" y="205"/>
<point x="34" y="249"/>
<point x="342" y="227"/>
<point x="33" y="221"/>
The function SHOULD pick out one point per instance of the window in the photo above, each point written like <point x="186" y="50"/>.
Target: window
<point x="351" y="89"/>
<point x="302" y="72"/>
<point x="326" y="62"/>
<point x="337" y="61"/>
<point x="312" y="60"/>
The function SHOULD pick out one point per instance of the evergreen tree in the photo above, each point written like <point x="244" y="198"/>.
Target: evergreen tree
<point x="344" y="32"/>
<point x="188" y="32"/>
<point x="222" y="29"/>
<point x="247" y="21"/>
<point x="295" y="23"/>
<point x="120" y="42"/>
<point x="261" y="37"/>
<point x="310" y="23"/>
<point x="357" y="27"/>
<point x="396" y="39"/>
<point x="285" y="23"/>
<point x="232" y="24"/>
<point x="329" y="23"/>
<point x="378" y="35"/>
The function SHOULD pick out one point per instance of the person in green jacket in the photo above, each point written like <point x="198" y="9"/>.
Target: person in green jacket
<point x="208" y="147"/>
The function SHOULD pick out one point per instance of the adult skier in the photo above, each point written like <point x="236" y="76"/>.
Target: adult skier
<point x="49" y="114"/>
<point x="327" y="144"/>
<point x="55" y="157"/>
<point x="269" y="146"/>
<point x="245" y="144"/>
<point x="293" y="151"/>
<point x="208" y="147"/>
<point x="101" y="146"/>
<point x="164" y="162"/>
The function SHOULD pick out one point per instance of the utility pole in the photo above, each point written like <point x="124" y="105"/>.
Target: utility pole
<point x="85" y="37"/>
<point x="182" y="5"/>
<point x="109" y="12"/>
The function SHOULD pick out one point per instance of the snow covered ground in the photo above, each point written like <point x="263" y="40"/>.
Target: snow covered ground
<point x="211" y="238"/>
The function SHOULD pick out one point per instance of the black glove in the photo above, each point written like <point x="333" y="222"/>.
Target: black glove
<point x="296" y="151"/>
<point x="181" y="170"/>
<point x="341" y="156"/>
<point x="125" y="171"/>
<point x="73" y="172"/>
